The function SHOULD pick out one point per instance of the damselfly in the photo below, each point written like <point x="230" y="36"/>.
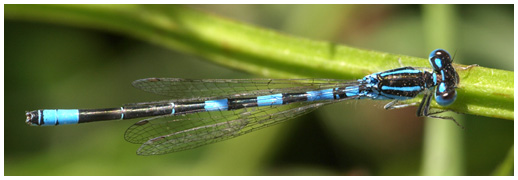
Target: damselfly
<point x="211" y="110"/>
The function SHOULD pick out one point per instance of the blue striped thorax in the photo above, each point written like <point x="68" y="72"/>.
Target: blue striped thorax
<point x="401" y="83"/>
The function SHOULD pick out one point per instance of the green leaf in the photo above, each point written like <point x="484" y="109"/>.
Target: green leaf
<point x="482" y="91"/>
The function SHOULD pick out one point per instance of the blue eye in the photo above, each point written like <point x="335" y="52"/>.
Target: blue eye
<point x="445" y="95"/>
<point x="439" y="59"/>
<point x="438" y="62"/>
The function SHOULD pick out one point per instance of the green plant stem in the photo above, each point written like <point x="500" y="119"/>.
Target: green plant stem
<point x="483" y="91"/>
<point x="442" y="152"/>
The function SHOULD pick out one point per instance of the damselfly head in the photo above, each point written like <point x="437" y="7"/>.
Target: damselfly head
<point x="440" y="59"/>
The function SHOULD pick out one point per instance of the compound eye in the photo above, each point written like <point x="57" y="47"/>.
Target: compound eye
<point x="439" y="59"/>
<point x="445" y="94"/>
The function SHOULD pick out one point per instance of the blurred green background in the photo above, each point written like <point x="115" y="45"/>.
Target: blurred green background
<point x="57" y="66"/>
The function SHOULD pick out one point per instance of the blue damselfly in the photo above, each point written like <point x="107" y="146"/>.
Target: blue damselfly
<point x="211" y="110"/>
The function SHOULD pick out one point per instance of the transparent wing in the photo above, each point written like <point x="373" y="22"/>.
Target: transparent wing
<point x="196" y="88"/>
<point x="168" y="134"/>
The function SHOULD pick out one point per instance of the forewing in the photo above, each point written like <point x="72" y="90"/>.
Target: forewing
<point x="231" y="88"/>
<point x="176" y="133"/>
